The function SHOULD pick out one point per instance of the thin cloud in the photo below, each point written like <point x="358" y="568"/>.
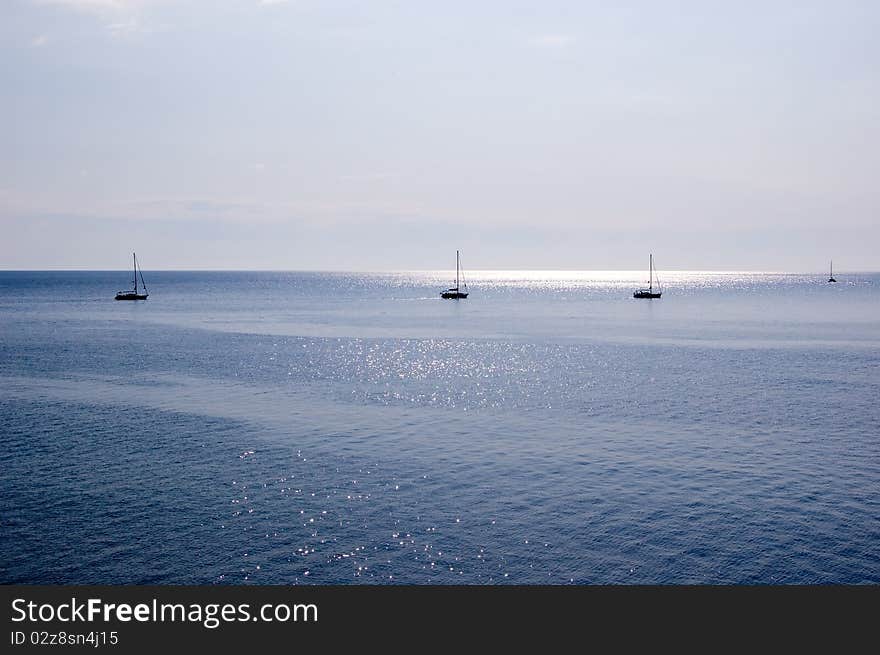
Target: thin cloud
<point x="368" y="177"/>
<point x="123" y="28"/>
<point x="121" y="18"/>
<point x="551" y="40"/>
<point x="104" y="7"/>
<point x="91" y="5"/>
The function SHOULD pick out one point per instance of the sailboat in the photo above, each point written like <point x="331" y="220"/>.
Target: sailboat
<point x="456" y="292"/>
<point x="649" y="292"/>
<point x="133" y="294"/>
<point x="831" y="272"/>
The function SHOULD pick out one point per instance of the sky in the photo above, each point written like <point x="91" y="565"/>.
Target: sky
<point x="359" y="135"/>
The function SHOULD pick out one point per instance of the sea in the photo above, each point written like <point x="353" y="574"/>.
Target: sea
<point x="353" y="428"/>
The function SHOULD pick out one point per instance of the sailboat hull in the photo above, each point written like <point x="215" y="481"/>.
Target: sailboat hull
<point x="129" y="295"/>
<point x="453" y="295"/>
<point x="647" y="294"/>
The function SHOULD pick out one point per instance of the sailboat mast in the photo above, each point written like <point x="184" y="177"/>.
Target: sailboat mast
<point x="135" y="265"/>
<point x="143" y="284"/>
<point x="650" y="272"/>
<point x="456" y="270"/>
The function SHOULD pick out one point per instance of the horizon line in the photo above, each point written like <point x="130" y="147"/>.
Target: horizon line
<point x="425" y="270"/>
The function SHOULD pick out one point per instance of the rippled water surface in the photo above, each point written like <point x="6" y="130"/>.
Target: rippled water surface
<point x="296" y="428"/>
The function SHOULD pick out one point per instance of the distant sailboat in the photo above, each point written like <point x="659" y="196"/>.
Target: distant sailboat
<point x="133" y="293"/>
<point x="649" y="292"/>
<point x="456" y="292"/>
<point x="831" y="272"/>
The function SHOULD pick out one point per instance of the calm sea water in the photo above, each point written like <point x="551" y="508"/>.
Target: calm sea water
<point x="297" y="428"/>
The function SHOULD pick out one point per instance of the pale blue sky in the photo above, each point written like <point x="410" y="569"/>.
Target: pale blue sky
<point x="384" y="135"/>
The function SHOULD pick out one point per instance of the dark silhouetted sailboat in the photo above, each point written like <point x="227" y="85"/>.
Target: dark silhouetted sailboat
<point x="133" y="293"/>
<point x="456" y="292"/>
<point x="831" y="272"/>
<point x="649" y="292"/>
